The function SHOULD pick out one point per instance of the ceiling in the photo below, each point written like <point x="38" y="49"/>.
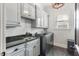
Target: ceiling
<point x="49" y="9"/>
<point x="46" y="7"/>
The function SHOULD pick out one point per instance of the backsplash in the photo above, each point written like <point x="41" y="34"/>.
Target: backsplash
<point x="24" y="27"/>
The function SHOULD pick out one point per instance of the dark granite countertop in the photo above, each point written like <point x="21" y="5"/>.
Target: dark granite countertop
<point x="16" y="40"/>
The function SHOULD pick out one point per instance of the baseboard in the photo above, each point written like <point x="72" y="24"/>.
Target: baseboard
<point x="60" y="45"/>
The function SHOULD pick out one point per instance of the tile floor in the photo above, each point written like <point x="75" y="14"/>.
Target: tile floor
<point x="56" y="51"/>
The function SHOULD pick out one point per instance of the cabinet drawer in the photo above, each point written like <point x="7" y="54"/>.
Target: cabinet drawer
<point x="12" y="49"/>
<point x="19" y="52"/>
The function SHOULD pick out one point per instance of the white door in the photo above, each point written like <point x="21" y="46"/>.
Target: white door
<point x="2" y="27"/>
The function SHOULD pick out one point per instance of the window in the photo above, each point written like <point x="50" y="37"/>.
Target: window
<point x="62" y="22"/>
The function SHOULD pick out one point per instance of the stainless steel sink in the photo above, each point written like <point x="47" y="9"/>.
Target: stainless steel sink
<point x="29" y="38"/>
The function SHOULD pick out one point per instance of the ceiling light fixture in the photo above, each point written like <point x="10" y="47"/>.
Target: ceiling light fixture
<point x="57" y="5"/>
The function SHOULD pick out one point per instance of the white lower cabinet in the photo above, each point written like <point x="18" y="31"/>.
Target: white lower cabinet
<point x="29" y="51"/>
<point x="18" y="50"/>
<point x="18" y="53"/>
<point x="33" y="48"/>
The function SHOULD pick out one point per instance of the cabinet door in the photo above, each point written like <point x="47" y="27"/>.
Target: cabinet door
<point x="19" y="52"/>
<point x="29" y="48"/>
<point x="45" y="21"/>
<point x="42" y="18"/>
<point x="32" y="11"/>
<point x="12" y="13"/>
<point x="37" y="50"/>
<point x="36" y="47"/>
<point x="39" y="17"/>
<point x="25" y="10"/>
<point x="38" y="22"/>
<point x="28" y="10"/>
<point x="33" y="48"/>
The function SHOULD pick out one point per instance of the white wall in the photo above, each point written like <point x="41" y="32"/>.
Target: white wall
<point x="61" y="36"/>
<point x="22" y="29"/>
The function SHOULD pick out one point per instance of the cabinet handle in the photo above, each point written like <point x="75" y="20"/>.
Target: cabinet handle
<point x="34" y="51"/>
<point x="15" y="49"/>
<point x="34" y="46"/>
<point x="18" y="22"/>
<point x="3" y="54"/>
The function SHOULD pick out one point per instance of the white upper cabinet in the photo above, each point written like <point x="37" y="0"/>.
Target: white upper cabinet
<point x="28" y="10"/>
<point x="45" y="20"/>
<point x="38" y="17"/>
<point x="41" y="18"/>
<point x="32" y="7"/>
<point x="12" y="14"/>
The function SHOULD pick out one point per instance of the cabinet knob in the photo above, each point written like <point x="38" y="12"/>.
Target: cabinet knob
<point x="29" y="15"/>
<point x="3" y="54"/>
<point x="34" y="46"/>
<point x="18" y="22"/>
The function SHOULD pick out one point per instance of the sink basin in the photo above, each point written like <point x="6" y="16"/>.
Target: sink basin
<point x="29" y="38"/>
